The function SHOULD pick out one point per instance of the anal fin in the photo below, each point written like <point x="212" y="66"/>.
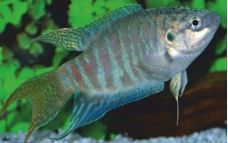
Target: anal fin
<point x="86" y="109"/>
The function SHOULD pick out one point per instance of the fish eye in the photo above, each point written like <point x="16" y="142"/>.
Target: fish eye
<point x="195" y="23"/>
<point x="170" y="36"/>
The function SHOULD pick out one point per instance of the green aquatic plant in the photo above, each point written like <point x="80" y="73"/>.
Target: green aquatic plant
<point x="200" y="4"/>
<point x="219" y="6"/>
<point x="97" y="130"/>
<point x="23" y="40"/>
<point x="37" y="10"/>
<point x="219" y="65"/>
<point x="82" y="13"/>
<point x="1" y="55"/>
<point x="161" y="3"/>
<point x="31" y="28"/>
<point x="221" y="46"/>
<point x="11" y="12"/>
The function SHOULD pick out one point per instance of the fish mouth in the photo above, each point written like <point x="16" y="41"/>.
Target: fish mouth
<point x="188" y="49"/>
<point x="214" y="21"/>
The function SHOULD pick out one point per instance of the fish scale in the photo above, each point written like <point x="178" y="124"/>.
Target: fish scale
<point x="117" y="51"/>
<point x="125" y="56"/>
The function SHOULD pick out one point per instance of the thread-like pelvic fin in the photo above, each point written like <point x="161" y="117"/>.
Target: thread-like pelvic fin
<point x="177" y="86"/>
<point x="177" y="102"/>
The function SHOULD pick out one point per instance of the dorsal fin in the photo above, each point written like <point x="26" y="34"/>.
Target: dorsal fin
<point x="76" y="39"/>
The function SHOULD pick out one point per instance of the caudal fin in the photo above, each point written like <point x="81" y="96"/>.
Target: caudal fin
<point x="47" y="95"/>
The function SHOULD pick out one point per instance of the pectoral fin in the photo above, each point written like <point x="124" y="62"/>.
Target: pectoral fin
<point x="177" y="86"/>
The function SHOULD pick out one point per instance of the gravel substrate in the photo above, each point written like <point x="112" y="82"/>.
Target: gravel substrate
<point x="215" y="135"/>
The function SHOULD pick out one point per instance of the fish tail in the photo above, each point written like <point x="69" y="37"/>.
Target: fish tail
<point x="47" y="94"/>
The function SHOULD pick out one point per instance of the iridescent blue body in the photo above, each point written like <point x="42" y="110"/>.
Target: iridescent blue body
<point x="127" y="55"/>
<point x="108" y="73"/>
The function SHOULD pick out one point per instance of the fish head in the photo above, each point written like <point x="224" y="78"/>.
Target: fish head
<point x="182" y="35"/>
<point x="187" y="34"/>
<point x="190" y="31"/>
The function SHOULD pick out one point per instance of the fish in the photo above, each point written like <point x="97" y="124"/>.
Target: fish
<point x="126" y="55"/>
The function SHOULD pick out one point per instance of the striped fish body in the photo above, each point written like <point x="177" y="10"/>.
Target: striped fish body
<point x="108" y="74"/>
<point x="111" y="63"/>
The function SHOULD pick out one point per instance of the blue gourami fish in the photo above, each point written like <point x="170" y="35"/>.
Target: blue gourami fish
<point x="126" y="55"/>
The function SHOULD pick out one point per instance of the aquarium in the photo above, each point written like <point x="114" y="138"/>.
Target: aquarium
<point x="46" y="68"/>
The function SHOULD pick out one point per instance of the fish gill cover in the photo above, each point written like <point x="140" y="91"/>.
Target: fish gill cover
<point x="20" y="59"/>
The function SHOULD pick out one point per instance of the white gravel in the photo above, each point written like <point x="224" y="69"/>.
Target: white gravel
<point x="215" y="135"/>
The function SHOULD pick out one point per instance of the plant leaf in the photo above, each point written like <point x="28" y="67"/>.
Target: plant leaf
<point x="219" y="65"/>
